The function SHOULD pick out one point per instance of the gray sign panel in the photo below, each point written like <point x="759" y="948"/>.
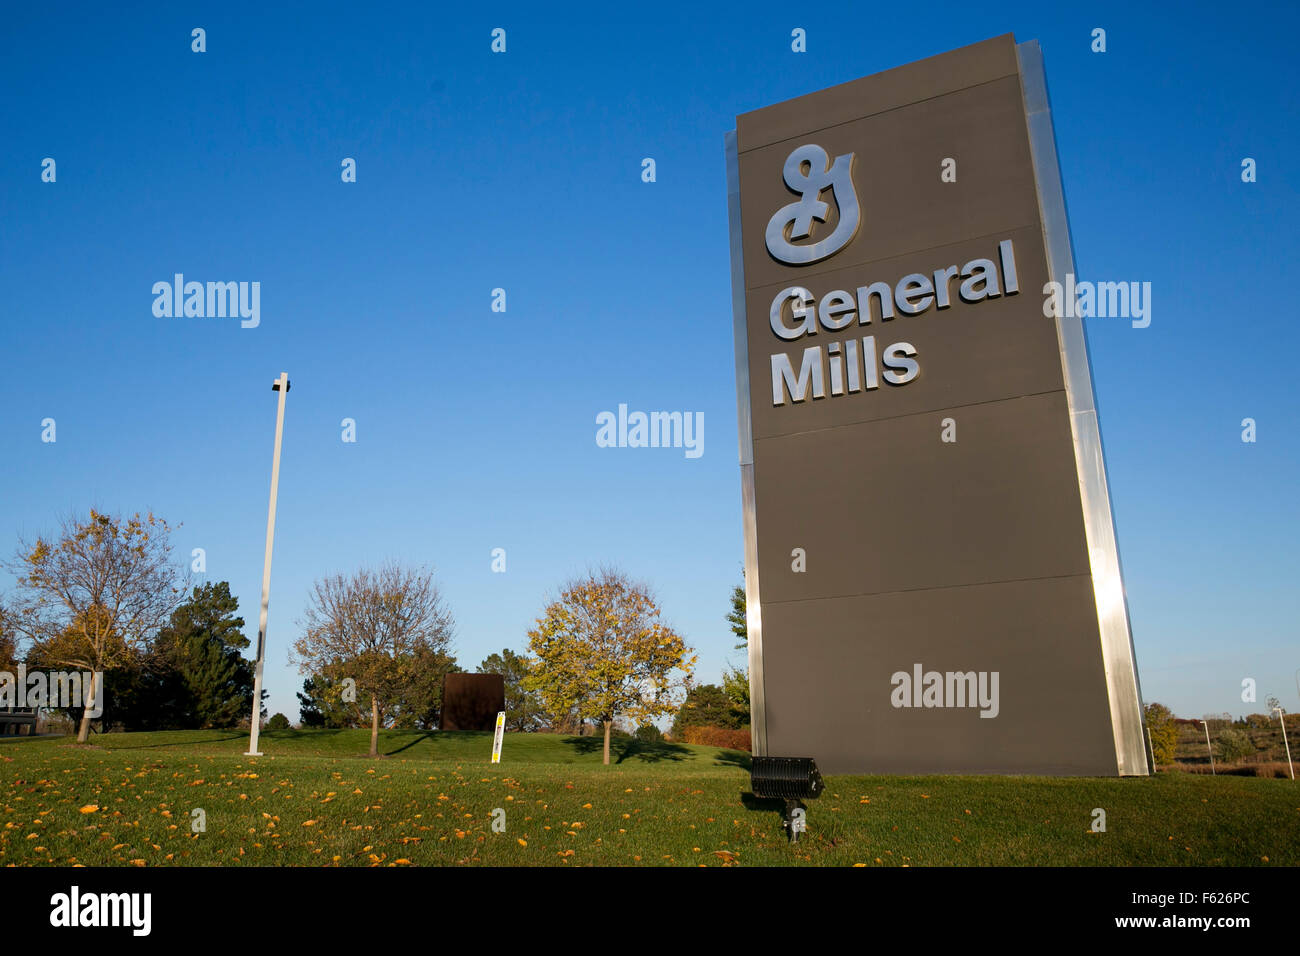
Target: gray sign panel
<point x="931" y="572"/>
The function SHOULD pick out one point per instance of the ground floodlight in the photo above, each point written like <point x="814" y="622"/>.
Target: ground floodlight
<point x="792" y="779"/>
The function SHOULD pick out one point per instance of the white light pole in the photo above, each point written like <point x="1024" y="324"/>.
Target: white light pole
<point x="1207" y="745"/>
<point x="280" y="385"/>
<point x="1281" y="716"/>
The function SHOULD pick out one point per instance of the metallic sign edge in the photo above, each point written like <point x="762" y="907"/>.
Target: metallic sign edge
<point x="745" y="431"/>
<point x="1117" y="650"/>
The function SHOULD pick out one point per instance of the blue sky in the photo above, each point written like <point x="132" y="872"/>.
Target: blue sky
<point x="475" y="429"/>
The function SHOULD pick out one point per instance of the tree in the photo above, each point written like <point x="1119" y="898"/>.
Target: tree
<point x="1164" y="732"/>
<point x="601" y="649"/>
<point x="190" y="675"/>
<point x="128" y="701"/>
<point x="1234" y="745"/>
<point x="648" y="734"/>
<point x="566" y="721"/>
<point x="8" y="643"/>
<point x="735" y="682"/>
<point x="278" y="722"/>
<point x="418" y="702"/>
<point x="524" y="709"/>
<point x="706" y="705"/>
<point x="321" y="704"/>
<point x="204" y="679"/>
<point x="92" y="598"/>
<point x="737" y="617"/>
<point x="373" y="627"/>
<point x="1217" y="722"/>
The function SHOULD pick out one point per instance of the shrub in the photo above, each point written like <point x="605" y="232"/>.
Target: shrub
<point x="1164" y="733"/>
<point x="1234" y="745"/>
<point x="706" y="705"/>
<point x="1273" y="769"/>
<point x="728" y="737"/>
<point x="278" y="722"/>
<point x="1279" y="769"/>
<point x="649" y="734"/>
<point x="735" y="683"/>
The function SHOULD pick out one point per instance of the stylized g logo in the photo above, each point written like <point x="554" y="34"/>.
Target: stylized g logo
<point x="795" y="220"/>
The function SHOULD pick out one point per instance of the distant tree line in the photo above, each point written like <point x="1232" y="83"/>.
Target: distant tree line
<point x="1230" y="740"/>
<point x="104" y="595"/>
<point x="190" y="674"/>
<point x="718" y="714"/>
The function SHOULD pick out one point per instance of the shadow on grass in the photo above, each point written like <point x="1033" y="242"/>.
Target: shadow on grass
<point x="763" y="804"/>
<point x="734" y="758"/>
<point x="426" y="735"/>
<point x="295" y="733"/>
<point x="433" y="735"/>
<point x="628" y="748"/>
<point x="118" y="742"/>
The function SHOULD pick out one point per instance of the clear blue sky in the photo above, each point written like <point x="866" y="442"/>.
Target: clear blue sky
<point x="475" y="429"/>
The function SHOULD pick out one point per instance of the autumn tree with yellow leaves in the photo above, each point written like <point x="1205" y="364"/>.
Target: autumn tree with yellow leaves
<point x="602" y="650"/>
<point x="8" y="643"/>
<point x="93" y="596"/>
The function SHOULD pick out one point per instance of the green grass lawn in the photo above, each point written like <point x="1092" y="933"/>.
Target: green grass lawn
<point x="315" y="799"/>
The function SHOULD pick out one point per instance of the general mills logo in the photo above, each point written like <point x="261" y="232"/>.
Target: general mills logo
<point x="809" y="172"/>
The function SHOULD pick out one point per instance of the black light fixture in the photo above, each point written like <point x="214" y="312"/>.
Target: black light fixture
<point x="792" y="779"/>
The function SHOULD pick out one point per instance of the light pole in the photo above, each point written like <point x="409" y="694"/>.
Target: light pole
<point x="1207" y="745"/>
<point x="1281" y="717"/>
<point x="280" y="385"/>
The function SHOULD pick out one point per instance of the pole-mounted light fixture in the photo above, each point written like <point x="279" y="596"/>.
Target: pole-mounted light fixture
<point x="1281" y="716"/>
<point x="280" y="385"/>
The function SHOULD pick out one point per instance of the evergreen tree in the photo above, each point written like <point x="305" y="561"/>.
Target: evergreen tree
<point x="706" y="705"/>
<point x="737" y="620"/>
<point x="203" y="679"/>
<point x="321" y="704"/>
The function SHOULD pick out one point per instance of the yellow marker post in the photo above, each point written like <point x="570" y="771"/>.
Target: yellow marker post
<point x="496" y="740"/>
